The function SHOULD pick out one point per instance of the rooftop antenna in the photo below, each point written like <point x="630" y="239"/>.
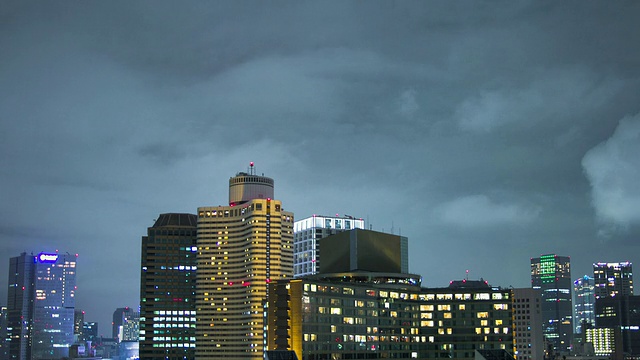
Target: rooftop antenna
<point x="252" y="171"/>
<point x="467" y="277"/>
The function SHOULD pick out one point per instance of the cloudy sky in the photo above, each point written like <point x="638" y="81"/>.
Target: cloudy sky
<point x="487" y="133"/>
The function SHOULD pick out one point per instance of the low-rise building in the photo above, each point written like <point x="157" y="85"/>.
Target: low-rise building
<point x="373" y="315"/>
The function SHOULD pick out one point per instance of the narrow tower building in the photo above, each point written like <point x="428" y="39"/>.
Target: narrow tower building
<point x="241" y="248"/>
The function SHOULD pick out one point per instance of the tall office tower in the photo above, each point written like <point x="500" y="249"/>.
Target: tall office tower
<point x="527" y="324"/>
<point x="241" y="248"/>
<point x="306" y="238"/>
<point x="40" y="305"/>
<point x="584" y="303"/>
<point x="167" y="288"/>
<point x="613" y="279"/>
<point x="552" y="275"/>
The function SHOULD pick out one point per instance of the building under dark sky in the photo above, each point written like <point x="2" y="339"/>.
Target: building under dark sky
<point x="620" y="314"/>
<point x="307" y="234"/>
<point x="366" y="316"/>
<point x="41" y="305"/>
<point x="364" y="250"/>
<point x="551" y="274"/>
<point x="613" y="279"/>
<point x="584" y="303"/>
<point x="241" y="248"/>
<point x="167" y="288"/>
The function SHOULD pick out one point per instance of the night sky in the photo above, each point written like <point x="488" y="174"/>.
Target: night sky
<point x="486" y="132"/>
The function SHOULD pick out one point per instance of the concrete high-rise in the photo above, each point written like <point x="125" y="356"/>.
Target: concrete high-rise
<point x="241" y="248"/>
<point x="527" y="324"/>
<point x="167" y="289"/>
<point x="584" y="303"/>
<point x="307" y="234"/>
<point x="613" y="279"/>
<point x="41" y="305"/>
<point x="551" y="274"/>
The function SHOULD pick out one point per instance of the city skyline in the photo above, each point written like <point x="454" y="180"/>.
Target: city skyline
<point x="482" y="133"/>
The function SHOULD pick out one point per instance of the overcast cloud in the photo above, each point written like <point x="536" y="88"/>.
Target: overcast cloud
<point x="487" y="133"/>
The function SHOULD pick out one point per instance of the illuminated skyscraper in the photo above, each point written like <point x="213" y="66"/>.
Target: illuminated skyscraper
<point x="307" y="234"/>
<point x="552" y="275"/>
<point x="613" y="279"/>
<point x="584" y="303"/>
<point x="167" y="290"/>
<point x="40" y="305"/>
<point x="241" y="248"/>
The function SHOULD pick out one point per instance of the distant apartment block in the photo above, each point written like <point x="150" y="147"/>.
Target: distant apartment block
<point x="527" y="324"/>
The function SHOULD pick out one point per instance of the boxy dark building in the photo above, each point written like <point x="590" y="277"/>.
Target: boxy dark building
<point x="167" y="288"/>
<point x="622" y="314"/>
<point x="364" y="250"/>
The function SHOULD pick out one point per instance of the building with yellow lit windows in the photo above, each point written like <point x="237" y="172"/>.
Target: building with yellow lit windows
<point x="242" y="247"/>
<point x="374" y="315"/>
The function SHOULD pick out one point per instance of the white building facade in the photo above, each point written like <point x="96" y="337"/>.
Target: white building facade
<point x="307" y="234"/>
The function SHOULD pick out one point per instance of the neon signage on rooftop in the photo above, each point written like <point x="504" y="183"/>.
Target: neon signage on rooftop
<point x="46" y="258"/>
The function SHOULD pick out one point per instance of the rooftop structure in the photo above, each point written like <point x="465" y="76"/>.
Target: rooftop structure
<point x="307" y="235"/>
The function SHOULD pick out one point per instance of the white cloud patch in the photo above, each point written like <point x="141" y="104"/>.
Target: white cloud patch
<point x="553" y="95"/>
<point x="613" y="169"/>
<point x="480" y="210"/>
<point x="407" y="104"/>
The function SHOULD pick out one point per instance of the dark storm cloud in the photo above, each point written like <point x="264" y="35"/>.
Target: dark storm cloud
<point x="481" y="131"/>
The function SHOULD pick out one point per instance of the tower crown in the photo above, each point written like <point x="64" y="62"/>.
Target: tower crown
<point x="246" y="186"/>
